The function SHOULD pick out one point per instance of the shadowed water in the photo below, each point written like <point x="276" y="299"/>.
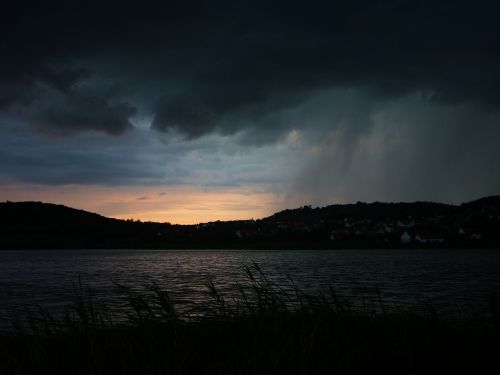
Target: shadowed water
<point x="446" y="280"/>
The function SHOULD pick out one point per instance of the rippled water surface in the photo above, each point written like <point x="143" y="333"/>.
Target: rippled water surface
<point x="413" y="279"/>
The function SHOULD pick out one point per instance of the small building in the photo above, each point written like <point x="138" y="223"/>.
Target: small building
<point x="405" y="238"/>
<point x="429" y="238"/>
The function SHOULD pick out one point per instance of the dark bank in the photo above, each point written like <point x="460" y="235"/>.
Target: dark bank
<point x="263" y="330"/>
<point x="35" y="225"/>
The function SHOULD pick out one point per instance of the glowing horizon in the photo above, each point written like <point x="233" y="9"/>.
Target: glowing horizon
<point x="173" y="204"/>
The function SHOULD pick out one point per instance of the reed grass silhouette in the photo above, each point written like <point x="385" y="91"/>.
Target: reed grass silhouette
<point x="265" y="329"/>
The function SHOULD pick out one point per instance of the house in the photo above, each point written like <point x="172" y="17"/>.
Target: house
<point x="405" y="238"/>
<point x="429" y="238"/>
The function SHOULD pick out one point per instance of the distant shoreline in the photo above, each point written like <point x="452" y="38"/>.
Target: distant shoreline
<point x="419" y="225"/>
<point x="497" y="248"/>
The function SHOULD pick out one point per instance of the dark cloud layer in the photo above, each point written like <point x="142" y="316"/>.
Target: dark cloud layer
<point x="447" y="50"/>
<point x="239" y="61"/>
<point x="59" y="101"/>
<point x="379" y="96"/>
<point x="78" y="110"/>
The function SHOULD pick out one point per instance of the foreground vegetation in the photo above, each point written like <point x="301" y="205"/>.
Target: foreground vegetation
<point x="265" y="330"/>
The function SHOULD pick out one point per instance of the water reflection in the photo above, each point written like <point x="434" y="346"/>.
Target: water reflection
<point x="412" y="279"/>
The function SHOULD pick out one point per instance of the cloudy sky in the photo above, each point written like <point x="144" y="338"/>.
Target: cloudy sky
<point x="190" y="111"/>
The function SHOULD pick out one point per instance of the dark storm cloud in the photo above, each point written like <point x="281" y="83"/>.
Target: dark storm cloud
<point x="447" y="50"/>
<point x="78" y="110"/>
<point x="59" y="101"/>
<point x="43" y="82"/>
<point x="390" y="99"/>
<point x="229" y="66"/>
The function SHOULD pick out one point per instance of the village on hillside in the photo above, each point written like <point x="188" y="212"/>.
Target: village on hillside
<point x="447" y="225"/>
<point x="361" y="225"/>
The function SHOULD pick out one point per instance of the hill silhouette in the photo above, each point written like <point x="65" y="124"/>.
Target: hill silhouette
<point x="37" y="225"/>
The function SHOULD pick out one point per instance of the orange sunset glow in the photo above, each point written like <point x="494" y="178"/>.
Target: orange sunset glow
<point x="174" y="204"/>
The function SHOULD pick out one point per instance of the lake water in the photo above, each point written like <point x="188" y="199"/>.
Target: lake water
<point x="460" y="280"/>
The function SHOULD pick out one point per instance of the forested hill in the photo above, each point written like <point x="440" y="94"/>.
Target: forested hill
<point x="44" y="225"/>
<point x="34" y="225"/>
<point x="35" y="214"/>
<point x="360" y="210"/>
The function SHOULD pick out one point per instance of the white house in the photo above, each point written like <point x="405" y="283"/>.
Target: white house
<point x="405" y="238"/>
<point x="429" y="239"/>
